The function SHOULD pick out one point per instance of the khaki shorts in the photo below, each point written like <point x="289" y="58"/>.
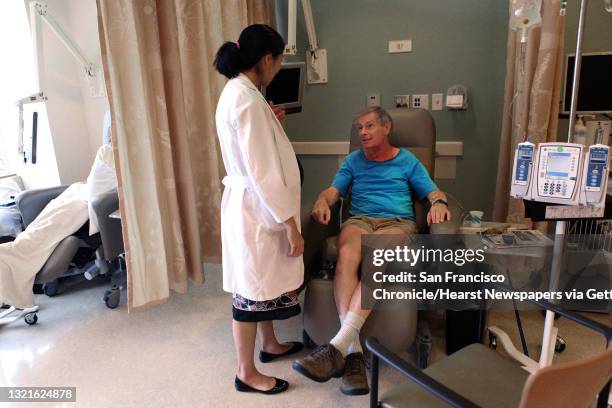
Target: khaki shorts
<point x="376" y="224"/>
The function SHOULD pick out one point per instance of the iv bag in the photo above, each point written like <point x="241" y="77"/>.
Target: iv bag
<point x="525" y="14"/>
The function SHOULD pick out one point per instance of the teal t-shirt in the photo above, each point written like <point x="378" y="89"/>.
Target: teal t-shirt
<point x="383" y="189"/>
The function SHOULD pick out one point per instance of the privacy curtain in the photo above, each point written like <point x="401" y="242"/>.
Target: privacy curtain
<point x="531" y="100"/>
<point x="163" y="90"/>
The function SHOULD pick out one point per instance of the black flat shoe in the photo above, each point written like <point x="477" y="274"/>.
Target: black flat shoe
<point x="280" y="386"/>
<point x="267" y="357"/>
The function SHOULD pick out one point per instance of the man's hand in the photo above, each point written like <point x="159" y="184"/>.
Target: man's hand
<point x="321" y="212"/>
<point x="438" y="213"/>
<point x="279" y="111"/>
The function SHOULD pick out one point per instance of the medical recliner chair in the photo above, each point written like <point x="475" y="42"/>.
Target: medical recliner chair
<point x="414" y="130"/>
<point x="76" y="251"/>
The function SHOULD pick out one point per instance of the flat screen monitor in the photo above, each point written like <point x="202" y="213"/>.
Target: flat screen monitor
<point x="287" y="87"/>
<point x="595" y="91"/>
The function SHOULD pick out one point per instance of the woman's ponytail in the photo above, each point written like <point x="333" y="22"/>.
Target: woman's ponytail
<point x="255" y="41"/>
<point x="228" y="60"/>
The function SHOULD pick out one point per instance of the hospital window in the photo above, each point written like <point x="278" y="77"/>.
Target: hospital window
<point x="17" y="77"/>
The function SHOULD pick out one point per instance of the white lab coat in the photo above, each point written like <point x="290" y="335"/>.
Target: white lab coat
<point x="262" y="190"/>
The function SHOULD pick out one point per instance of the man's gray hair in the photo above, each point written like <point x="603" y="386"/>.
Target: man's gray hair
<point x="383" y="116"/>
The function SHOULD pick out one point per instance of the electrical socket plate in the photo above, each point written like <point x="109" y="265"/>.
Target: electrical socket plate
<point x="437" y="102"/>
<point x="400" y="46"/>
<point x="373" y="100"/>
<point x="420" y="101"/>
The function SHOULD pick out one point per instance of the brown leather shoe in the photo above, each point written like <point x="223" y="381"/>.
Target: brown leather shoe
<point x="322" y="364"/>
<point x="355" y="379"/>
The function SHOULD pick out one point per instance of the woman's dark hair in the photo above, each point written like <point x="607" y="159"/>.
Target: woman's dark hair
<point x="255" y="41"/>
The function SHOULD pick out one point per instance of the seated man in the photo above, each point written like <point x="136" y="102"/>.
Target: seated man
<point x="381" y="178"/>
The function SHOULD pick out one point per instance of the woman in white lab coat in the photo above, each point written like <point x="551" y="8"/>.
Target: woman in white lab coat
<point x="261" y="242"/>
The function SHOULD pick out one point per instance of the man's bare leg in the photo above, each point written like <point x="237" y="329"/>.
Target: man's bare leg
<point x="355" y="305"/>
<point x="346" y="275"/>
<point x="355" y="299"/>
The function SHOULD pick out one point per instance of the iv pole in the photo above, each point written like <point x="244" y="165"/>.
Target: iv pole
<point x="550" y="332"/>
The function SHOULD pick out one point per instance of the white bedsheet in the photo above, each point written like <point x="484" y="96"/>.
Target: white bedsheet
<point x="21" y="259"/>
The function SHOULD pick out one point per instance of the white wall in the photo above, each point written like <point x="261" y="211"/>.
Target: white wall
<point x="61" y="82"/>
<point x="84" y="26"/>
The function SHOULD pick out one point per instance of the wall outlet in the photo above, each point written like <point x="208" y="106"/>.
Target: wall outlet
<point x="401" y="101"/>
<point x="373" y="100"/>
<point x="420" y="101"/>
<point x="437" y="102"/>
<point x="398" y="46"/>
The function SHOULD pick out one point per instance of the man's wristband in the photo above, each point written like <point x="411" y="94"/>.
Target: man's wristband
<point x="439" y="200"/>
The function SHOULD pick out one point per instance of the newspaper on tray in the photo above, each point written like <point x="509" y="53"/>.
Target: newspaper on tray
<point x="517" y="239"/>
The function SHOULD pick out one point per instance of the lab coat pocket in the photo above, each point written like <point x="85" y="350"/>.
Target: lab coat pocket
<point x="261" y="215"/>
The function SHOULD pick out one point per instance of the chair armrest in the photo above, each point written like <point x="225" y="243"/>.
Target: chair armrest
<point x="31" y="202"/>
<point x="436" y="388"/>
<point x="452" y="226"/>
<point x="314" y="235"/>
<point x="111" y="233"/>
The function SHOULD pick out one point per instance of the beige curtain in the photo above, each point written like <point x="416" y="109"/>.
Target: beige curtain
<point x="531" y="101"/>
<point x="163" y="91"/>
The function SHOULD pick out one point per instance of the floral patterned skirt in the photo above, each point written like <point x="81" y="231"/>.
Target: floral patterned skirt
<point x="280" y="308"/>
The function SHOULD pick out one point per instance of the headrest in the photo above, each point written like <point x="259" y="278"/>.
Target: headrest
<point x="413" y="129"/>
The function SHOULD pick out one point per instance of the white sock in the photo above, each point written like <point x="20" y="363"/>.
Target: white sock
<point x="355" y="346"/>
<point x="348" y="332"/>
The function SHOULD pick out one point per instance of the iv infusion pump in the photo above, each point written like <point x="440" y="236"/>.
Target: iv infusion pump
<point x="521" y="173"/>
<point x="596" y="173"/>
<point x="562" y="173"/>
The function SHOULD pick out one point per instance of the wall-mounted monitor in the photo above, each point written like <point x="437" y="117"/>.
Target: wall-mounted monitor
<point x="595" y="91"/>
<point x="286" y="89"/>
